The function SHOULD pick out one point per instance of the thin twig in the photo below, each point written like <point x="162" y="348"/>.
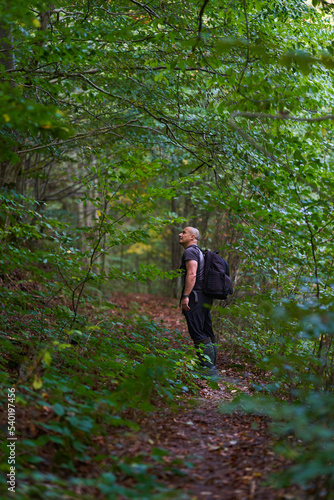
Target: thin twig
<point x="99" y="131"/>
<point x="200" y="18"/>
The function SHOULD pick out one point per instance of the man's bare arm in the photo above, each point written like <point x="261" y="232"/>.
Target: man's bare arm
<point x="191" y="267"/>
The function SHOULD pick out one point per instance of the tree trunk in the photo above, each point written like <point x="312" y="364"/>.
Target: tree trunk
<point x="8" y="172"/>
<point x="6" y="48"/>
<point x="175" y="252"/>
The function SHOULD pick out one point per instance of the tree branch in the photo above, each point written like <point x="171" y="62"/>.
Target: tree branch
<point x="200" y="18"/>
<point x="146" y="8"/>
<point x="267" y="153"/>
<point x="92" y="133"/>
<point x="248" y="114"/>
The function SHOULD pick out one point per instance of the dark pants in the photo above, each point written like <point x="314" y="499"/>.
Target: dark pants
<point x="199" y="318"/>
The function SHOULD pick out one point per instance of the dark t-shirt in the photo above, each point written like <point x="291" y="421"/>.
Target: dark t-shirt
<point x="194" y="253"/>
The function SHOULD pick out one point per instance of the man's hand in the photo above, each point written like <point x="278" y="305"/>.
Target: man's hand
<point x="185" y="304"/>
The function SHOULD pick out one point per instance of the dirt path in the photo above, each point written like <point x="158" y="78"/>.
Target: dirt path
<point x="219" y="456"/>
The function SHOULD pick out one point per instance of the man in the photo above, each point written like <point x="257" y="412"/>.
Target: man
<point x="195" y="304"/>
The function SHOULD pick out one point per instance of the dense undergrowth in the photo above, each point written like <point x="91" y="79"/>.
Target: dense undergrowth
<point x="72" y="386"/>
<point x="77" y="365"/>
<point x="291" y="342"/>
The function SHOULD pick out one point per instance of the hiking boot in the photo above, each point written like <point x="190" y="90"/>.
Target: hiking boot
<point x="207" y="353"/>
<point x="204" y="372"/>
<point x="215" y="348"/>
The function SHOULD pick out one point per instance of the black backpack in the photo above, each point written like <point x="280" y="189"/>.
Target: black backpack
<point x="217" y="283"/>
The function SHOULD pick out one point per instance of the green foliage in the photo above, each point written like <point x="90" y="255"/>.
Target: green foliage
<point x="118" y="123"/>
<point x="293" y="342"/>
<point x="304" y="433"/>
<point x="85" y="373"/>
<point x="86" y="385"/>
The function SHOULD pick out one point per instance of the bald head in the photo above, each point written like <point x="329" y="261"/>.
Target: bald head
<point x="189" y="236"/>
<point x="194" y="231"/>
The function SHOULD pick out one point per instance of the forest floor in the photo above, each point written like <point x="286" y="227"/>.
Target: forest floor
<point x="224" y="456"/>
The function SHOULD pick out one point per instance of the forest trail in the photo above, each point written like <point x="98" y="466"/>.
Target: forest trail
<point x="220" y="456"/>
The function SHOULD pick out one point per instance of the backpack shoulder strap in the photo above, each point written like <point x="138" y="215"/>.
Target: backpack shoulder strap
<point x="201" y="264"/>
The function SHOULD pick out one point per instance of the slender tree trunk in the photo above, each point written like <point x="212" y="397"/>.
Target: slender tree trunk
<point x="8" y="172"/>
<point x="175" y="252"/>
<point x="6" y="48"/>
